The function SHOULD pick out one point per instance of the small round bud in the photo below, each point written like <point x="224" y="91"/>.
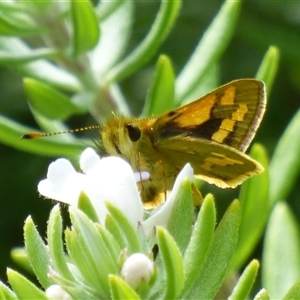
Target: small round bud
<point x="137" y="268"/>
<point x="56" y="292"/>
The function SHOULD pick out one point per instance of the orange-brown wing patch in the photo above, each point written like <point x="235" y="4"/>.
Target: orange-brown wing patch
<point x="229" y="115"/>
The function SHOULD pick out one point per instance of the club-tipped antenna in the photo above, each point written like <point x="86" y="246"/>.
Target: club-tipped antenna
<point x="38" y="135"/>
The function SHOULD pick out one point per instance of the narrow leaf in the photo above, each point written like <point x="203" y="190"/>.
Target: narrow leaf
<point x="112" y="227"/>
<point x="85" y="205"/>
<point x="13" y="58"/>
<point x="6" y="293"/>
<point x="20" y="257"/>
<point x="200" y="241"/>
<point x="88" y="268"/>
<point x="17" y="23"/>
<point x="55" y="243"/>
<point x="181" y="218"/>
<point x="294" y="292"/>
<point x="120" y="289"/>
<point x="23" y="288"/>
<point x="111" y="244"/>
<point x="37" y="253"/>
<point x="262" y="295"/>
<point x="246" y="281"/>
<point x="48" y="101"/>
<point x="268" y="68"/>
<point x="160" y="97"/>
<point x="86" y="30"/>
<point x="281" y="252"/>
<point x="93" y="248"/>
<point x="125" y="227"/>
<point x="164" y="21"/>
<point x="208" y="51"/>
<point x="40" y="69"/>
<point x="11" y="132"/>
<point x="210" y="278"/>
<point x="285" y="163"/>
<point x="116" y="27"/>
<point x="254" y="197"/>
<point x="172" y="262"/>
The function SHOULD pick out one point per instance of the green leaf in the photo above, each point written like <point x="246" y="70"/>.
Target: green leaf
<point x="37" y="253"/>
<point x="105" y="9"/>
<point x="84" y="262"/>
<point x="12" y="58"/>
<point x="6" y="293"/>
<point x="93" y="257"/>
<point x="160" y="97"/>
<point x="268" y="68"/>
<point x="281" y="252"/>
<point x="81" y="292"/>
<point x="246" y="281"/>
<point x="209" y="82"/>
<point x="254" y="197"/>
<point x="120" y="289"/>
<point x="20" y="257"/>
<point x="48" y="101"/>
<point x="40" y="69"/>
<point x="113" y="228"/>
<point x="11" y="132"/>
<point x="143" y="52"/>
<point x="285" y="163"/>
<point x="126" y="228"/>
<point x="262" y="295"/>
<point x="85" y="205"/>
<point x="172" y="262"/>
<point x="294" y="292"/>
<point x="115" y="34"/>
<point x="182" y="215"/>
<point x="86" y="29"/>
<point x="23" y="288"/>
<point x="200" y="241"/>
<point x="208" y="50"/>
<point x="55" y="244"/>
<point x="18" y="23"/>
<point x="111" y="244"/>
<point x="210" y="278"/>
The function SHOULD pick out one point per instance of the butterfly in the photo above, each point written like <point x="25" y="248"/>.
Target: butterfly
<point x="211" y="133"/>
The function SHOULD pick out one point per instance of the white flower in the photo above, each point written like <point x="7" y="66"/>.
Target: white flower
<point x="138" y="268"/>
<point x="107" y="179"/>
<point x="56" y="292"/>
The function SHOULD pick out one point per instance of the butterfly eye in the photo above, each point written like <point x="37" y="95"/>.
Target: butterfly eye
<point x="134" y="132"/>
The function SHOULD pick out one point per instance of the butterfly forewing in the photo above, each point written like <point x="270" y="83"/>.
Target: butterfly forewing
<point x="229" y="115"/>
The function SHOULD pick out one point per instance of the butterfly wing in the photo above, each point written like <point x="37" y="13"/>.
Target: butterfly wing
<point x="212" y="133"/>
<point x="217" y="164"/>
<point x="229" y="115"/>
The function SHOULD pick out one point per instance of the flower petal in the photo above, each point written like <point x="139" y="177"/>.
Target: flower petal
<point x="63" y="183"/>
<point x="89" y="161"/>
<point x="113" y="180"/>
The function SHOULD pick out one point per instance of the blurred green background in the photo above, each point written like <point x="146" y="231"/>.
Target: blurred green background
<point x="260" y="25"/>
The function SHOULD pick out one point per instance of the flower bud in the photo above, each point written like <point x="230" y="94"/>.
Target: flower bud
<point x="56" y="292"/>
<point x="138" y="268"/>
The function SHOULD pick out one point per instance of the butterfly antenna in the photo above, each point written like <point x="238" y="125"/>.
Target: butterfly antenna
<point x="38" y="135"/>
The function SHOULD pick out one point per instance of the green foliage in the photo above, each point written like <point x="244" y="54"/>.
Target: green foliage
<point x="73" y="58"/>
